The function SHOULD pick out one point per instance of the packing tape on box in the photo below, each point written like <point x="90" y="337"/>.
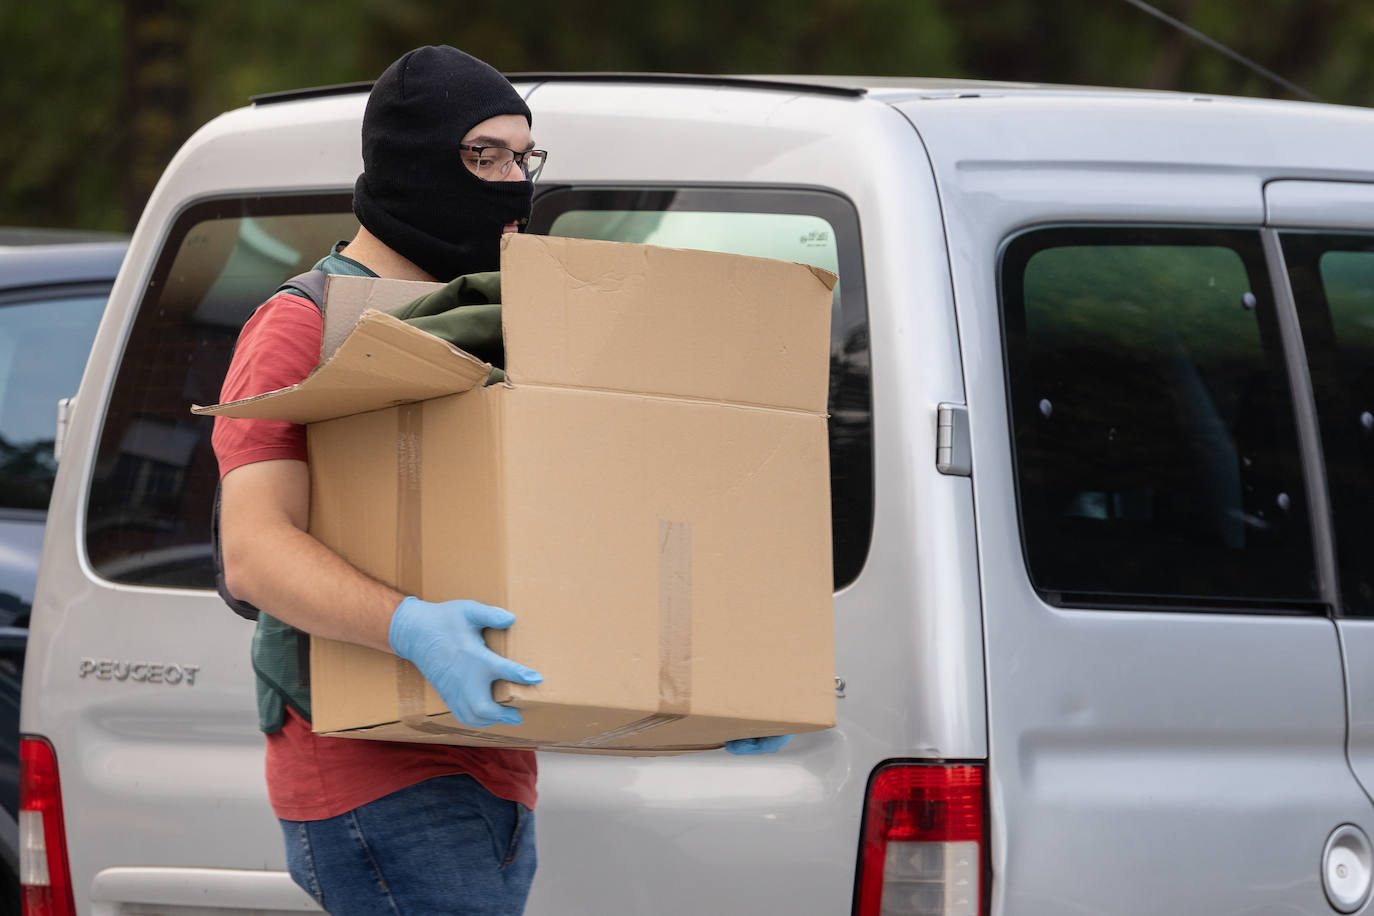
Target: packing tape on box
<point x="410" y="430"/>
<point x="410" y="433"/>
<point x="410" y="694"/>
<point x="410" y="691"/>
<point x="637" y="727"/>
<point x="674" y="618"/>
<point x="408" y="677"/>
<point x="504" y="741"/>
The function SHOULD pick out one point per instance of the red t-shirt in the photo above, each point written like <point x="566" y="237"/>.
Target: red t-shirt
<point x="310" y="777"/>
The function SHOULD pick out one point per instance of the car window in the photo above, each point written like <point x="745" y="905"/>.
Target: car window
<point x="152" y="489"/>
<point x="153" y="485"/>
<point x="44" y="342"/>
<point x="1333" y="285"/>
<point x="1157" y="460"/>
<point x="810" y="227"/>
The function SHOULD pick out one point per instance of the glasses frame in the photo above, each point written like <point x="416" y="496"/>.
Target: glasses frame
<point x="517" y="158"/>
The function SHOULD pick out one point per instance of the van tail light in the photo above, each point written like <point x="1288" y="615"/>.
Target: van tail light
<point x="43" y="873"/>
<point x="923" y="842"/>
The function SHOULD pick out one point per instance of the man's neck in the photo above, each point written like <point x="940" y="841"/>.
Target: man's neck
<point x="381" y="259"/>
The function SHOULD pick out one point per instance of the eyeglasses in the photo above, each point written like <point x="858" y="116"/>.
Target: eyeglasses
<point x="492" y="163"/>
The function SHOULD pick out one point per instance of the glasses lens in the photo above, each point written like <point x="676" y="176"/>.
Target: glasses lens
<point x="533" y="163"/>
<point x="490" y="163"/>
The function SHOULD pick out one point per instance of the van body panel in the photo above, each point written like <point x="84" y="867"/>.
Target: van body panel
<point x="714" y="829"/>
<point x="187" y="890"/>
<point x="1319" y="204"/>
<point x="1357" y="643"/>
<point x="1125" y="743"/>
<point x="1137" y="761"/>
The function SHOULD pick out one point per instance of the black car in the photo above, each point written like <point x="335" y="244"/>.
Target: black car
<point x="53" y="289"/>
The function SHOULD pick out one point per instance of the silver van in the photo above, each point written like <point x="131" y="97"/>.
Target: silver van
<point x="1102" y="446"/>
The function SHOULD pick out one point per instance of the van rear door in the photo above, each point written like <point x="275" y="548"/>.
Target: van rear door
<point x="1326" y="233"/>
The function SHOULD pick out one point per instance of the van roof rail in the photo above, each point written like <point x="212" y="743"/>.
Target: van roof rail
<point x="821" y="86"/>
<point x="313" y="92"/>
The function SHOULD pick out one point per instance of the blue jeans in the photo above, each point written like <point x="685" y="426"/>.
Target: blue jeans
<point x="442" y="846"/>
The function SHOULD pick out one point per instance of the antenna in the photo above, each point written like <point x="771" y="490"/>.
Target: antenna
<point x="1216" y="45"/>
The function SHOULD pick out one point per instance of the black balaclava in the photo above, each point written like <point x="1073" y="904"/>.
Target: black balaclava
<point x="415" y="194"/>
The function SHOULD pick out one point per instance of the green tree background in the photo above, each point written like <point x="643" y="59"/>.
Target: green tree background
<point x="98" y="94"/>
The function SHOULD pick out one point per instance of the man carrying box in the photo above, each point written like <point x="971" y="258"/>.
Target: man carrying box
<point x="373" y="826"/>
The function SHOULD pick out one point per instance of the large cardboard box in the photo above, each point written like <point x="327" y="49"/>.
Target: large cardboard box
<point x="648" y="492"/>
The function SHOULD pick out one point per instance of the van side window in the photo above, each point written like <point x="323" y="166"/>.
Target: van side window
<point x="1156" y="454"/>
<point x="810" y="227"/>
<point x="1333" y="284"/>
<point x="148" y="511"/>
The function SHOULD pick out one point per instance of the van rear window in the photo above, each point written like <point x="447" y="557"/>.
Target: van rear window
<point x="1157" y="460"/>
<point x="148" y="512"/>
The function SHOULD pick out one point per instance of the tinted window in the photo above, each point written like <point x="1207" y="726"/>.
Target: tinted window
<point x="1156" y="454"/>
<point x="44" y="343"/>
<point x="148" y="515"/>
<point x="809" y="227"/>
<point x="1333" y="283"/>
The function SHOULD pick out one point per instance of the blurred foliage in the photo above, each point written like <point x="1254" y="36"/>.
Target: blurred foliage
<point x="59" y="148"/>
<point x="99" y="93"/>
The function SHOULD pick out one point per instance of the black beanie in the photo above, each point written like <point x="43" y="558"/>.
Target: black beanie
<point x="415" y="194"/>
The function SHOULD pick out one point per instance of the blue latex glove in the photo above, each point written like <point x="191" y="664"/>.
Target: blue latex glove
<point x="757" y="745"/>
<point x="444" y="641"/>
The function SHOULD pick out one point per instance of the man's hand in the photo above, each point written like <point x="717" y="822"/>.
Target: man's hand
<point x="757" y="745"/>
<point x="444" y="641"/>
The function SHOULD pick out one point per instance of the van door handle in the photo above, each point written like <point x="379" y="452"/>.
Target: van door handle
<point x="64" y="420"/>
<point x="953" y="454"/>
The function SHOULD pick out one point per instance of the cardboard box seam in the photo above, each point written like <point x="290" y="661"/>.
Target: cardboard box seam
<point x="513" y="700"/>
<point x="515" y="385"/>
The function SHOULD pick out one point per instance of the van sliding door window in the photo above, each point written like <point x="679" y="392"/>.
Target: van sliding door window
<point x="148" y="512"/>
<point x="1156" y="454"/>
<point x="810" y="227"/>
<point x="1333" y="284"/>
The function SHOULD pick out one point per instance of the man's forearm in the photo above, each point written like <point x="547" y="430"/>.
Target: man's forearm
<point x="272" y="561"/>
<point x="300" y="581"/>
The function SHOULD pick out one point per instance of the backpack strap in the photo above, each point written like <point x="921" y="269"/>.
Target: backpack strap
<point x="243" y="608"/>
<point x="311" y="284"/>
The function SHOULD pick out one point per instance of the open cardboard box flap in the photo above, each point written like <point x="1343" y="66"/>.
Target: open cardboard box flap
<point x="578" y="313"/>
<point x="381" y="361"/>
